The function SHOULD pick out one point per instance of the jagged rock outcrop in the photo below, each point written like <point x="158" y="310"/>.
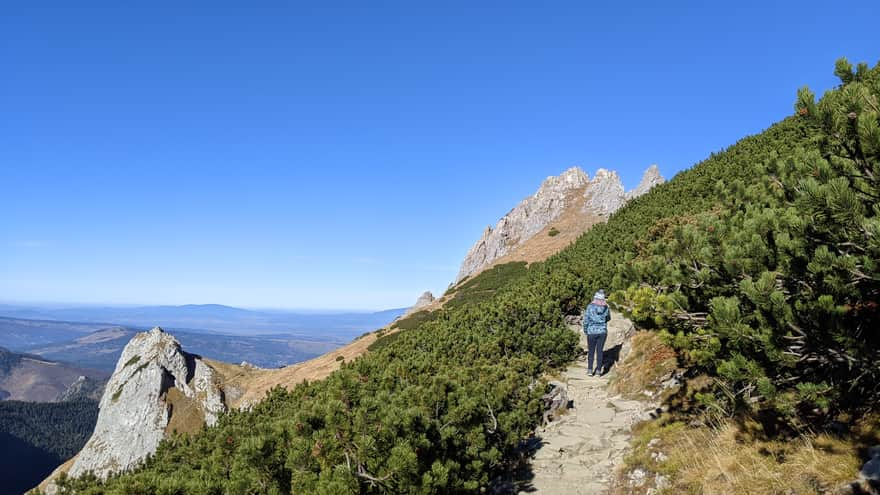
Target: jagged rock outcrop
<point x="569" y="195"/>
<point x="524" y="221"/>
<point x="155" y="387"/>
<point x="605" y="194"/>
<point x="424" y="300"/>
<point x="650" y="178"/>
<point x="83" y="388"/>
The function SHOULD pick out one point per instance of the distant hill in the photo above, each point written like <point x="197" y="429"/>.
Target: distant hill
<point x="27" y="377"/>
<point x="19" y="334"/>
<point x="101" y="349"/>
<point x="214" y="318"/>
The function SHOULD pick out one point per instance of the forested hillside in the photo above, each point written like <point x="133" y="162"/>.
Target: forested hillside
<point x="36" y="437"/>
<point x="758" y="265"/>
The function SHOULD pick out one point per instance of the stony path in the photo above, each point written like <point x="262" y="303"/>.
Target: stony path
<point x="580" y="451"/>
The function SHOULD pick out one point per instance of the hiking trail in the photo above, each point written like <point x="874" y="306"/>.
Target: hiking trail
<point x="580" y="451"/>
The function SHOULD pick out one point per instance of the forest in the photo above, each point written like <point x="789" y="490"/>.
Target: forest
<point x="758" y="265"/>
<point x="35" y="437"/>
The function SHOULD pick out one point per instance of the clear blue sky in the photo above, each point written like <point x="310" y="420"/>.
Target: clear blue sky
<point x="297" y="155"/>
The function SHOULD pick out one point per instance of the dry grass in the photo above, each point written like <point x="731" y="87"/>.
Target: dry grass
<point x="255" y="383"/>
<point x="729" y="457"/>
<point x="569" y="225"/>
<point x="719" y="460"/>
<point x="649" y="363"/>
<point x="734" y="458"/>
<point x="187" y="415"/>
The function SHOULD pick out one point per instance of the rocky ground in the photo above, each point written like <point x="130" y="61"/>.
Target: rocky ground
<point x="578" y="452"/>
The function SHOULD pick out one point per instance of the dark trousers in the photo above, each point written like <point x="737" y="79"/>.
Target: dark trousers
<point x="595" y="344"/>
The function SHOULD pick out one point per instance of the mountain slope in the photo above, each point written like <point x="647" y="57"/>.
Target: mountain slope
<point x="36" y="437"/>
<point x="401" y="394"/>
<point x="444" y="405"/>
<point x="26" y="377"/>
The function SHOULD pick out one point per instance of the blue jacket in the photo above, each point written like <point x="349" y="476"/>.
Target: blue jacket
<point x="596" y="319"/>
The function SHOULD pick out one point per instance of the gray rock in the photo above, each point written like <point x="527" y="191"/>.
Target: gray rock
<point x="135" y="409"/>
<point x="424" y="300"/>
<point x="637" y="477"/>
<point x="659" y="456"/>
<point x="650" y="178"/>
<point x="602" y="196"/>
<point x="871" y="470"/>
<point x="605" y="194"/>
<point x="528" y="218"/>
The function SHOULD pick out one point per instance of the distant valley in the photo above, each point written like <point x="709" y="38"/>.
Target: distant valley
<point x="94" y="337"/>
<point x="28" y="377"/>
<point x="213" y="318"/>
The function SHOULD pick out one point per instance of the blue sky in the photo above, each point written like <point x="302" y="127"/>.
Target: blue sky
<point x="332" y="155"/>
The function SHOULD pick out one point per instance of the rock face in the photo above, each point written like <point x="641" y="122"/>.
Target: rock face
<point x="424" y="300"/>
<point x="605" y="194"/>
<point x="156" y="385"/>
<point x="650" y="179"/>
<point x="572" y="191"/>
<point x="524" y="221"/>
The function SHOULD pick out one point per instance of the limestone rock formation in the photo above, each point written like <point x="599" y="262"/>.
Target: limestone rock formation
<point x="559" y="199"/>
<point x="524" y="221"/>
<point x="424" y="300"/>
<point x="156" y="387"/>
<point x="605" y="194"/>
<point x="650" y="178"/>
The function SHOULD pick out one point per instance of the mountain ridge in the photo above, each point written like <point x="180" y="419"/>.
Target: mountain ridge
<point x="33" y="378"/>
<point x="570" y="199"/>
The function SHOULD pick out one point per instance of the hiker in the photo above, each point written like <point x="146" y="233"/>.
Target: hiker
<point x="596" y="318"/>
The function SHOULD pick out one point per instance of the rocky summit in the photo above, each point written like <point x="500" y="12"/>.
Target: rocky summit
<point x="650" y="178"/>
<point x="424" y="300"/>
<point x="571" y="198"/>
<point x="156" y="387"/>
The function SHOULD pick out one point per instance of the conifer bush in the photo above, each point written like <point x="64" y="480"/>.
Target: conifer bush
<point x="775" y="291"/>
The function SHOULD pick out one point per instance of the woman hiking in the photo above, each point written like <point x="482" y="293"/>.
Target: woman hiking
<point x="596" y="318"/>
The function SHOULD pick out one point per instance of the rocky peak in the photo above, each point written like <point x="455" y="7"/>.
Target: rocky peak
<point x="528" y="218"/>
<point x="572" y="178"/>
<point x="571" y="193"/>
<point x="424" y="300"/>
<point x="155" y="388"/>
<point x="605" y="194"/>
<point x="650" y="178"/>
<point x="82" y="388"/>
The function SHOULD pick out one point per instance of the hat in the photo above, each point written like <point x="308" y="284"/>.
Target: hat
<point x="600" y="296"/>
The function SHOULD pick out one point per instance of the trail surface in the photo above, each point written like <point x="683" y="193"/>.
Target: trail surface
<point x="580" y="451"/>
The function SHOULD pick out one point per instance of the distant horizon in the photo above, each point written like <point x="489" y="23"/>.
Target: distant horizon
<point x="56" y="305"/>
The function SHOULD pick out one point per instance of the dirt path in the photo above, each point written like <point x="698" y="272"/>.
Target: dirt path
<point x="580" y="451"/>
